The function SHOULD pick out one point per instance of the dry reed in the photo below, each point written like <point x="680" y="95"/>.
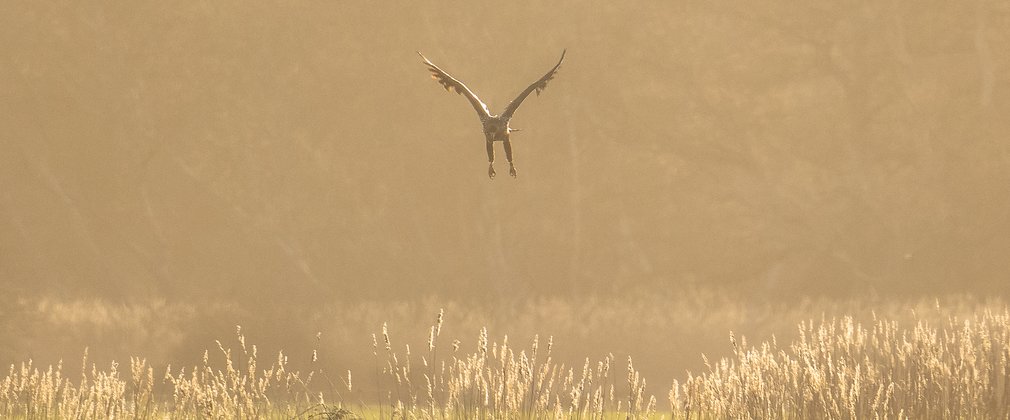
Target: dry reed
<point x="837" y="368"/>
<point x="236" y="390"/>
<point x="498" y="380"/>
<point x="844" y="370"/>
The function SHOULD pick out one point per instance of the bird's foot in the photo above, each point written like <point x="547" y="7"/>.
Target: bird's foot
<point x="512" y="170"/>
<point x="490" y="171"/>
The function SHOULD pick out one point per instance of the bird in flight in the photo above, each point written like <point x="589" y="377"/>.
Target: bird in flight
<point x="496" y="127"/>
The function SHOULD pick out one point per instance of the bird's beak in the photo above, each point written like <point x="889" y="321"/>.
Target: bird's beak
<point x="514" y="129"/>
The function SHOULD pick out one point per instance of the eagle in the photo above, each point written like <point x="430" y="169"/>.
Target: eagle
<point x="496" y="127"/>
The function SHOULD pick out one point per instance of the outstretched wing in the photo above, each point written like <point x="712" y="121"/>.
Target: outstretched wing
<point x="451" y="84"/>
<point x="538" y="86"/>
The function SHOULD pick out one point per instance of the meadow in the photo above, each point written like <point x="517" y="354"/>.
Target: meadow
<point x="771" y="209"/>
<point x="941" y="358"/>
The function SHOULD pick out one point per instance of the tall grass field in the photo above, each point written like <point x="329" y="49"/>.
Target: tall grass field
<point x="913" y="367"/>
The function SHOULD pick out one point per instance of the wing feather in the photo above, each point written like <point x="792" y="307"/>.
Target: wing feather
<point x="537" y="86"/>
<point x="451" y="84"/>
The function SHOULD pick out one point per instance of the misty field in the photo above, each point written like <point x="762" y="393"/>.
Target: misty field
<point x="919" y="362"/>
<point x="723" y="209"/>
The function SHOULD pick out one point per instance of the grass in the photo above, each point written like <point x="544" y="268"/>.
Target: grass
<point x="835" y="368"/>
<point x="842" y="369"/>
<point x="236" y="388"/>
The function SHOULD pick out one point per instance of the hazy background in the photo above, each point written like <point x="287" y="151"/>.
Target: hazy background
<point x="171" y="169"/>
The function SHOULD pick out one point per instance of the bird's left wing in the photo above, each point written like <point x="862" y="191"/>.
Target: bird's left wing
<point x="538" y="86"/>
<point x="451" y="84"/>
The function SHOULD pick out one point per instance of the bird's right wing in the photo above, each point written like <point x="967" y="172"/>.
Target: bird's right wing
<point x="451" y="84"/>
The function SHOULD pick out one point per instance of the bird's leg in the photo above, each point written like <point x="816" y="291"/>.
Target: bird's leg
<point x="490" y="159"/>
<point x="508" y="155"/>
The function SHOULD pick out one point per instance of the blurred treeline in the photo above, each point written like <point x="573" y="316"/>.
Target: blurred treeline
<point x="277" y="152"/>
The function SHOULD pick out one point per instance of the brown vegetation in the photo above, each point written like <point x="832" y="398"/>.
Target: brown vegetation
<point x="838" y="368"/>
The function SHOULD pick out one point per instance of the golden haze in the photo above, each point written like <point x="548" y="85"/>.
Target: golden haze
<point x="170" y="170"/>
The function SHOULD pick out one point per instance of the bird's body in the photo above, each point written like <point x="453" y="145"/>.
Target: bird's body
<point x="496" y="127"/>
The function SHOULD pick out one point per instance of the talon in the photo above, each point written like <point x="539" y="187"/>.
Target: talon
<point x="490" y="171"/>
<point x="512" y="170"/>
